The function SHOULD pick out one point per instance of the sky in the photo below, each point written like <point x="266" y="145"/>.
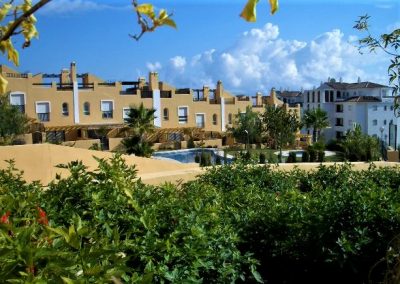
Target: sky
<point x="304" y="43"/>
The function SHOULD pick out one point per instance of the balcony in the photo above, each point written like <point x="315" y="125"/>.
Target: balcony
<point x="243" y="99"/>
<point x="199" y="99"/>
<point x="146" y="94"/>
<point x="21" y="108"/>
<point x="182" y="91"/>
<point x="43" y="117"/>
<point x="165" y="94"/>
<point x="107" y="114"/>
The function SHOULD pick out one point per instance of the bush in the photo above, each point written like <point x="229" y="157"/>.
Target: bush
<point x="321" y="156"/>
<point x="218" y="160"/>
<point x="190" y="143"/>
<point x="197" y="158"/>
<point x="205" y="159"/>
<point x="262" y="158"/>
<point x="291" y="158"/>
<point x="305" y="157"/>
<point x="313" y="154"/>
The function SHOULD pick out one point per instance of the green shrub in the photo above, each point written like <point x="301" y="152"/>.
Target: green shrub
<point x="190" y="143"/>
<point x="321" y="156"/>
<point x="313" y="154"/>
<point x="291" y="158"/>
<point x="205" y="159"/>
<point x="262" y="158"/>
<point x="197" y="158"/>
<point x="305" y="157"/>
<point x="218" y="160"/>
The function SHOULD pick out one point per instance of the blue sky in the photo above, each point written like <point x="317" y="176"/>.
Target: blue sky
<point x="304" y="43"/>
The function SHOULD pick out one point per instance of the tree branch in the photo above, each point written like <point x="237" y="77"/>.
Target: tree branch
<point x="22" y="18"/>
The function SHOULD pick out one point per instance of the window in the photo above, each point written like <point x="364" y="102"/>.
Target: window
<point x="319" y="97"/>
<point x="375" y="122"/>
<point x="331" y="96"/>
<point x="384" y="122"/>
<point x="125" y="114"/>
<point x="375" y="108"/>
<point x="107" y="108"/>
<point x="326" y="96"/>
<point x="65" y="110"/>
<point x="308" y="97"/>
<point x="339" y="108"/>
<point x="230" y="118"/>
<point x="43" y="111"/>
<point x="313" y="97"/>
<point x="18" y="100"/>
<point x="183" y="115"/>
<point x="385" y="108"/>
<point x="166" y="114"/>
<point x="215" y="119"/>
<point x="338" y="95"/>
<point x="86" y="108"/>
<point x="200" y="121"/>
<point x="339" y="134"/>
<point x="339" y="122"/>
<point x="391" y="107"/>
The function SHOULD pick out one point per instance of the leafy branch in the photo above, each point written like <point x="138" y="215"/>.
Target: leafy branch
<point x="388" y="43"/>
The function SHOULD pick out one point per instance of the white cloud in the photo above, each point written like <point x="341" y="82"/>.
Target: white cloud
<point x="261" y="59"/>
<point x="152" y="67"/>
<point x="71" y="6"/>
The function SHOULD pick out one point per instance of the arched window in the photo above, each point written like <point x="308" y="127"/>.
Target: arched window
<point x="214" y="118"/>
<point x="65" y="110"/>
<point x="230" y="118"/>
<point x="166" y="114"/>
<point x="86" y="108"/>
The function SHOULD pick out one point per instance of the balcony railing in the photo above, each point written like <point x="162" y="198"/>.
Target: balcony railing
<point x="44" y="116"/>
<point x="21" y="108"/>
<point x="16" y="75"/>
<point x="183" y="119"/>
<point x="166" y="94"/>
<point x="182" y="91"/>
<point x="107" y="114"/>
<point x="243" y="99"/>
<point x="199" y="99"/>
<point x="146" y="94"/>
<point x="200" y="125"/>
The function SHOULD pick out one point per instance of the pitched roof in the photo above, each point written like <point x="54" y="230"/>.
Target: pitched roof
<point x="363" y="99"/>
<point x="361" y="85"/>
<point x="288" y="94"/>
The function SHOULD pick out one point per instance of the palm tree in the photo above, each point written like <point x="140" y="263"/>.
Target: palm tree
<point x="317" y="119"/>
<point x="140" y="122"/>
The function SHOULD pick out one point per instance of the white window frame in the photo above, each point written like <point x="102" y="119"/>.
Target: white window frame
<point x="18" y="93"/>
<point x="187" y="114"/>
<point x="103" y="101"/>
<point x="375" y="122"/>
<point x="124" y="113"/>
<point x="204" y="116"/>
<point x="42" y="102"/>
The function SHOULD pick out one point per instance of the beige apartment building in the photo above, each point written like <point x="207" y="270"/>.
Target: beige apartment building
<point x="74" y="106"/>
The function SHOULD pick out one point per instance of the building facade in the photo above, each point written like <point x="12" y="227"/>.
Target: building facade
<point x="72" y="105"/>
<point x="367" y="104"/>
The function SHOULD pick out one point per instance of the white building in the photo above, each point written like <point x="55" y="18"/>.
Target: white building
<point x="368" y="104"/>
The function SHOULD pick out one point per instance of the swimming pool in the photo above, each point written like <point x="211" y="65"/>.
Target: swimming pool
<point x="188" y="155"/>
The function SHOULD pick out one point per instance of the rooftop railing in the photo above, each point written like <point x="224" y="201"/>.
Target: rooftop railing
<point x="16" y="75"/>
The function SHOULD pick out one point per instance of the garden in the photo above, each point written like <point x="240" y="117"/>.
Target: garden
<point x="235" y="223"/>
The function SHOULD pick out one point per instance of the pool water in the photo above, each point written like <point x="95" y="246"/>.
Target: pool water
<point x="188" y="156"/>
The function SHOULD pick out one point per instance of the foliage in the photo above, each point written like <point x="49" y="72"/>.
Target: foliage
<point x="305" y="157"/>
<point x="140" y="122"/>
<point x="388" y="43"/>
<point x="190" y="143"/>
<point x="321" y="156"/>
<point x="333" y="225"/>
<point x="317" y="119"/>
<point x="292" y="157"/>
<point x="12" y="121"/>
<point x="247" y="127"/>
<point x="103" y="226"/>
<point x="261" y="158"/>
<point x="279" y="127"/>
<point x="360" y="147"/>
<point x="205" y="159"/>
